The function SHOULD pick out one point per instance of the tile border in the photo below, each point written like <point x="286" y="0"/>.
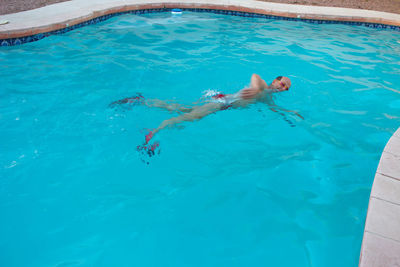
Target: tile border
<point x="380" y="251"/>
<point x="384" y="210"/>
<point x="26" y="35"/>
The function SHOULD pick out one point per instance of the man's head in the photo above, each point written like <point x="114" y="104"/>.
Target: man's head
<point x="281" y="83"/>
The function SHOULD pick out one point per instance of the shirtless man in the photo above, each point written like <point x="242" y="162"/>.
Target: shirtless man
<point x="259" y="91"/>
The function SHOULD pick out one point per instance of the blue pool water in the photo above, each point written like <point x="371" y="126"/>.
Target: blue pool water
<point x="238" y="188"/>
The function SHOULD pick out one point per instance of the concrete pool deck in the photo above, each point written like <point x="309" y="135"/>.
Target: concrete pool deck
<point x="381" y="242"/>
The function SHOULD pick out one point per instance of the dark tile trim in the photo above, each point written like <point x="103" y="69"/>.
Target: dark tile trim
<point x="36" y="37"/>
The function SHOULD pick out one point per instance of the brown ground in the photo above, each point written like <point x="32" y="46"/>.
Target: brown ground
<point x="12" y="6"/>
<point x="393" y="6"/>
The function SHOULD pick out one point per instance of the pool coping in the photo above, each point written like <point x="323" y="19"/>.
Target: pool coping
<point x="66" y="14"/>
<point x="381" y="241"/>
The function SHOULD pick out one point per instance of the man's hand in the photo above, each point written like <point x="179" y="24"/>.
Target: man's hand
<point x="249" y="93"/>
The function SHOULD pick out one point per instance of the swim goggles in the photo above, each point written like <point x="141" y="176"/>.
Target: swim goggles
<point x="284" y="86"/>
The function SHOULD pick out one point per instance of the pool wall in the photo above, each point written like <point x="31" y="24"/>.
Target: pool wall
<point x="381" y="242"/>
<point x="33" y="25"/>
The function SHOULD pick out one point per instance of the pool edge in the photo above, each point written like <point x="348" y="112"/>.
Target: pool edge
<point x="381" y="238"/>
<point x="71" y="13"/>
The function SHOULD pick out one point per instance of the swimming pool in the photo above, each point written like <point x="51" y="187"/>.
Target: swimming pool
<point x="239" y="188"/>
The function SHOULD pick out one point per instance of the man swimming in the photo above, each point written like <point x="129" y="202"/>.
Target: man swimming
<point x="258" y="91"/>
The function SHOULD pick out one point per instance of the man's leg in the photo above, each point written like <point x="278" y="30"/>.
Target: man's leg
<point x="165" y="105"/>
<point x="196" y="113"/>
<point x="139" y="100"/>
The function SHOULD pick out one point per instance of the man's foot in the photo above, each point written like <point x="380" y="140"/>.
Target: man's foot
<point x="132" y="101"/>
<point x="149" y="136"/>
<point x="148" y="150"/>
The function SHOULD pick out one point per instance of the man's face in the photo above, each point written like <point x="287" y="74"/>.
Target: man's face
<point x="281" y="83"/>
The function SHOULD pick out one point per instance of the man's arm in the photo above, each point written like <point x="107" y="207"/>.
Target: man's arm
<point x="257" y="85"/>
<point x="273" y="107"/>
<point x="249" y="93"/>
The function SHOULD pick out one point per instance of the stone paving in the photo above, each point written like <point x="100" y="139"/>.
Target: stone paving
<point x="381" y="242"/>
